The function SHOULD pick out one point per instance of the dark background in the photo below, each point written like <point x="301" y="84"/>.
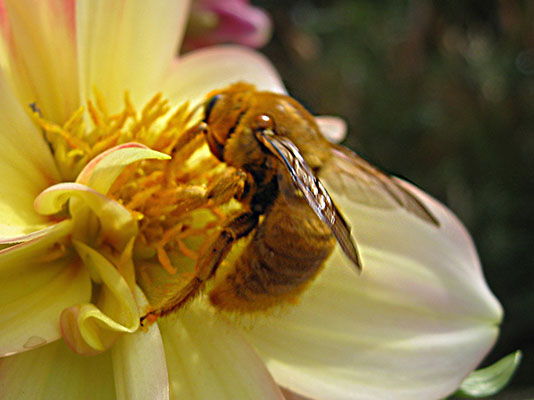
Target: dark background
<point x="442" y="93"/>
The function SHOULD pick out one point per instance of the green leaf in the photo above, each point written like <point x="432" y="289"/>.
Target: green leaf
<point x="488" y="381"/>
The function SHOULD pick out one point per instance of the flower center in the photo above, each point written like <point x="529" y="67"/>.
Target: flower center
<point x="171" y="200"/>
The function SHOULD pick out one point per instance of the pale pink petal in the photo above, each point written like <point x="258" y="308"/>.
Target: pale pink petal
<point x="42" y="55"/>
<point x="333" y="128"/>
<point x="412" y="326"/>
<point x="208" y="359"/>
<point x="231" y="21"/>
<point x="55" y="372"/>
<point x="127" y="45"/>
<point x="100" y="173"/>
<point x="199" y="72"/>
<point x="139" y="364"/>
<point x="38" y="280"/>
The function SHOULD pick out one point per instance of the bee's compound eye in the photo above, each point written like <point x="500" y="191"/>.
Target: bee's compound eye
<point x="209" y="106"/>
<point x="263" y="122"/>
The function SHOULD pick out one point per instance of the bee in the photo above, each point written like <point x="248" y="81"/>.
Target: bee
<point x="277" y="152"/>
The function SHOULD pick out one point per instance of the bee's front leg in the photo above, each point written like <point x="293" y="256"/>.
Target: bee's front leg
<point x="211" y="256"/>
<point x="231" y="184"/>
<point x="188" y="142"/>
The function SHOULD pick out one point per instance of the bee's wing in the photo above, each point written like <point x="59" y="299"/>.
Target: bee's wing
<point x="314" y="192"/>
<point x="348" y="173"/>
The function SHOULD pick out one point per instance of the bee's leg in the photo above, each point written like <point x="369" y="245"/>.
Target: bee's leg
<point x="188" y="142"/>
<point x="232" y="183"/>
<point x="210" y="257"/>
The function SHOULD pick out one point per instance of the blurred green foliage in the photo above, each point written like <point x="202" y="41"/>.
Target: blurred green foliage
<point x="441" y="93"/>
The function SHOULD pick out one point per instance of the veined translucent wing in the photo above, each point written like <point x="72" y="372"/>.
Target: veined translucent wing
<point x="348" y="173"/>
<point x="314" y="192"/>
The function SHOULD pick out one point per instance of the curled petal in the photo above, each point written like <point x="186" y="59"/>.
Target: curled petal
<point x="86" y="327"/>
<point x="38" y="279"/>
<point x="201" y="71"/>
<point x="415" y="323"/>
<point x="42" y="55"/>
<point x="117" y="224"/>
<point x="139" y="364"/>
<point x="208" y="359"/>
<point x="55" y="372"/>
<point x="127" y="45"/>
<point x="101" y="172"/>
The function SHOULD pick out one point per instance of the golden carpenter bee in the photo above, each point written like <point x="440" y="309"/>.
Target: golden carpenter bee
<point x="277" y="151"/>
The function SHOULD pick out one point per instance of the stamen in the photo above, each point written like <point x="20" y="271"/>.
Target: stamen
<point x="161" y="194"/>
<point x="101" y="102"/>
<point x="186" y="250"/>
<point x="163" y="258"/>
<point x="95" y="115"/>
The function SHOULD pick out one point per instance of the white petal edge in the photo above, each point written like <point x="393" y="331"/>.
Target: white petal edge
<point x="139" y="364"/>
<point x="55" y="372"/>
<point x="197" y="73"/>
<point x="208" y="359"/>
<point x="35" y="290"/>
<point x="127" y="45"/>
<point x="416" y="322"/>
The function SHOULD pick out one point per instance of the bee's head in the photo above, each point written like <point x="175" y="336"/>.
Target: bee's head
<point x="225" y="106"/>
<point x="223" y="110"/>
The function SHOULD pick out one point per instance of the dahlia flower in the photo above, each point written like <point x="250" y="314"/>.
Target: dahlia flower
<point x="94" y="230"/>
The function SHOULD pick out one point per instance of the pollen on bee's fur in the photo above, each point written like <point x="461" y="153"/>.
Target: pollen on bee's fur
<point x="169" y="199"/>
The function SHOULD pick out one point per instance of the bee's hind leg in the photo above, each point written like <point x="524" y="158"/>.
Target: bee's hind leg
<point x="210" y="257"/>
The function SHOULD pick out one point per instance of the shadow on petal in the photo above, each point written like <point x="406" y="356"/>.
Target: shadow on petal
<point x="208" y="359"/>
<point x="55" y="372"/>
<point x="38" y="279"/>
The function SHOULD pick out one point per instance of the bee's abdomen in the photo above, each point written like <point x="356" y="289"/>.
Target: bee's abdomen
<point x="287" y="251"/>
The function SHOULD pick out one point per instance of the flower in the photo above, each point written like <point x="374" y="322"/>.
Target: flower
<point x="231" y="21"/>
<point x="90" y="208"/>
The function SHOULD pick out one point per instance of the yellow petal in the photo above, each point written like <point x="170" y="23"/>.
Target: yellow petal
<point x="412" y="326"/>
<point x="27" y="168"/>
<point x="208" y="359"/>
<point x="88" y="327"/>
<point x="55" y="372"/>
<point x="117" y="224"/>
<point x="201" y="71"/>
<point x="38" y="281"/>
<point x="43" y="55"/>
<point x="101" y="172"/>
<point x="5" y="33"/>
<point x="127" y="45"/>
<point x="29" y="236"/>
<point x="139" y="363"/>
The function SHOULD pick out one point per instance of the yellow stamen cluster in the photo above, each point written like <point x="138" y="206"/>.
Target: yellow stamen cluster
<point x="169" y="198"/>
